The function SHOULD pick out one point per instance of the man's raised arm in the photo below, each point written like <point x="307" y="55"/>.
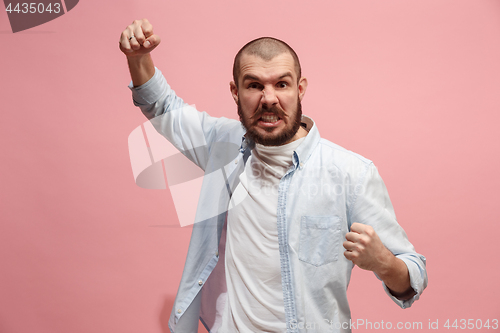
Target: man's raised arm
<point x="136" y="42"/>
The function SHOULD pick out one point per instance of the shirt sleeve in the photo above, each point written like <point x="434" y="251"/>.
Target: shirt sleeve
<point x="155" y="97"/>
<point x="373" y="207"/>
<point x="190" y="131"/>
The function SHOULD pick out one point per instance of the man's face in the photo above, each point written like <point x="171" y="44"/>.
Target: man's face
<point x="268" y="98"/>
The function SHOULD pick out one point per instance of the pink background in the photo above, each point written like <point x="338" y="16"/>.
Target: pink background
<point x="412" y="85"/>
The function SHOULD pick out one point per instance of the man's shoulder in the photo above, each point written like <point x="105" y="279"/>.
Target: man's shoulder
<point x="341" y="157"/>
<point x="229" y="130"/>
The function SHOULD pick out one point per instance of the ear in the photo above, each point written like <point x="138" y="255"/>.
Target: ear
<point x="302" y="87"/>
<point x="234" y="91"/>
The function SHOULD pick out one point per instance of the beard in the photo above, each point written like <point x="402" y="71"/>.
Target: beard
<point x="278" y="139"/>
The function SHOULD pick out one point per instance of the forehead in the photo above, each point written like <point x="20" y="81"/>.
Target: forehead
<point x="267" y="69"/>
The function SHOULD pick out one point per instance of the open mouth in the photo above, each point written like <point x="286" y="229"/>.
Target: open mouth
<point x="269" y="118"/>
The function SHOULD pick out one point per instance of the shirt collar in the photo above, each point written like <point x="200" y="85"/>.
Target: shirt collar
<point x="303" y="151"/>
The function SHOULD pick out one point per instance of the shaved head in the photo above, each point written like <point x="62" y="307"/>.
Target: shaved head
<point x="266" y="48"/>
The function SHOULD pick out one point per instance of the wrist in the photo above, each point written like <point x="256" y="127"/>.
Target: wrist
<point x="387" y="264"/>
<point x="396" y="277"/>
<point x="141" y="68"/>
<point x="139" y="59"/>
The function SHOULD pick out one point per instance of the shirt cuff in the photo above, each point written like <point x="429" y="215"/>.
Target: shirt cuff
<point x="418" y="282"/>
<point x="149" y="92"/>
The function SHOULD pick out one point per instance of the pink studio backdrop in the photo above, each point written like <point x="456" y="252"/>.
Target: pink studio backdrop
<point x="412" y="85"/>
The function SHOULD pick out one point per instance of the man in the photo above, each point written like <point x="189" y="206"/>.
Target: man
<point x="298" y="211"/>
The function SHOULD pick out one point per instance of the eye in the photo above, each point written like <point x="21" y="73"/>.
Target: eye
<point x="254" y="85"/>
<point x="282" y="84"/>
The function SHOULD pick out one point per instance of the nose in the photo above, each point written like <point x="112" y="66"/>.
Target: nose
<point x="269" y="97"/>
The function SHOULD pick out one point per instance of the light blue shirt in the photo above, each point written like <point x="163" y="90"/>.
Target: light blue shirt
<point x="325" y="190"/>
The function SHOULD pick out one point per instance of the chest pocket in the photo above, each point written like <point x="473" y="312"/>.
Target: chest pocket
<point x="320" y="238"/>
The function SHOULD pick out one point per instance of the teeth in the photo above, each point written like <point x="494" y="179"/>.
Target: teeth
<point x="269" y="119"/>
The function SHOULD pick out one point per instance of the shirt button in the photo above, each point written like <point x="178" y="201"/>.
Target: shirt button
<point x="179" y="311"/>
<point x="301" y="165"/>
<point x="216" y="253"/>
<point x="200" y="283"/>
<point x="236" y="162"/>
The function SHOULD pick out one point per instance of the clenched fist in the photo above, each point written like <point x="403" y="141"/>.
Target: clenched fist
<point x="138" y="39"/>
<point x="365" y="249"/>
<point x="136" y="42"/>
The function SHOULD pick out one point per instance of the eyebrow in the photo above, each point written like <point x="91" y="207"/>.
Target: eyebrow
<point x="254" y="78"/>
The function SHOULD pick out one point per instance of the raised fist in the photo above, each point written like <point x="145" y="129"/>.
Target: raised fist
<point x="138" y="39"/>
